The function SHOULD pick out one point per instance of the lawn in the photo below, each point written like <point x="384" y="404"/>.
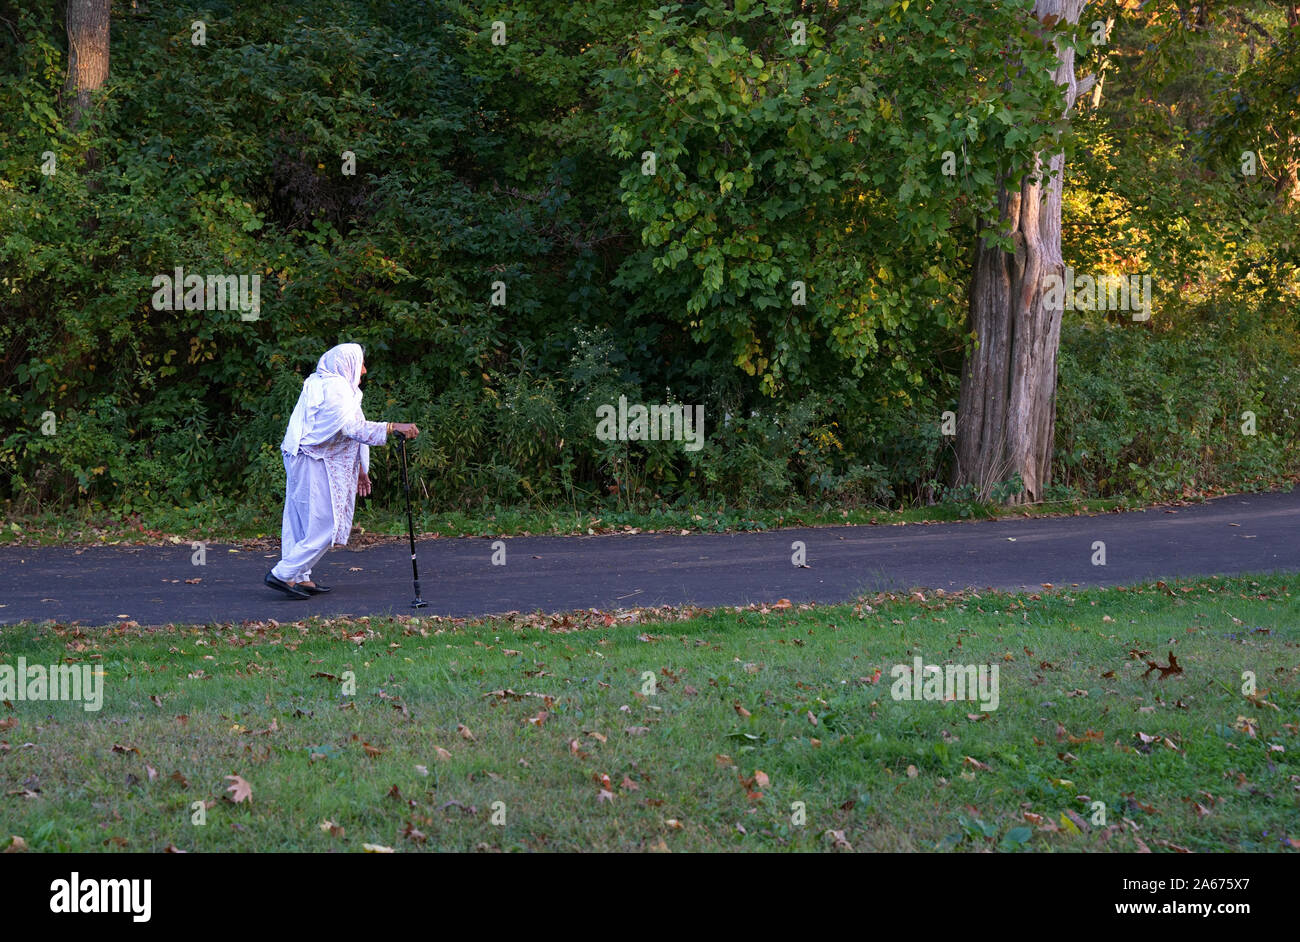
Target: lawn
<point x="755" y="729"/>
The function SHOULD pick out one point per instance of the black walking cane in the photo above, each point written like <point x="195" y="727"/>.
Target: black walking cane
<point x="410" y="523"/>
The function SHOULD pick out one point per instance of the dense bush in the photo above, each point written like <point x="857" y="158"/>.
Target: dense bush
<point x="478" y="164"/>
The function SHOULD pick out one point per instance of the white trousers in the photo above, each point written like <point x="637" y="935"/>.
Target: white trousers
<point x="307" y="530"/>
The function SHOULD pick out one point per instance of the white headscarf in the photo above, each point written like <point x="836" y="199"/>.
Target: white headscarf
<point x="330" y="396"/>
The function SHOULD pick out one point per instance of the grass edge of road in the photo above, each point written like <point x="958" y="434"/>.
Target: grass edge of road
<point x="236" y="524"/>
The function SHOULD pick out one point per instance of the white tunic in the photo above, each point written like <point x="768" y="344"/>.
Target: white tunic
<point x="346" y="455"/>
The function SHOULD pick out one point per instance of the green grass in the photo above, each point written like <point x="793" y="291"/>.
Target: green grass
<point x="1078" y="722"/>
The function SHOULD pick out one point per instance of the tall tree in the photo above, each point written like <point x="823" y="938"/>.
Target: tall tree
<point x="88" y="46"/>
<point x="1007" y="408"/>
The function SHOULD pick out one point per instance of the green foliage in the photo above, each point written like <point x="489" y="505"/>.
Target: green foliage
<point x="754" y="165"/>
<point x="1156" y="414"/>
<point x="826" y="163"/>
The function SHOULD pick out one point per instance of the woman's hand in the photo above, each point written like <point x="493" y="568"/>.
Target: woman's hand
<point x="363" y="485"/>
<point x="408" y="429"/>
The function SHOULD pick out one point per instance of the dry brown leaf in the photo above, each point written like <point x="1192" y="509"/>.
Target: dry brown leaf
<point x="1172" y="667"/>
<point x="239" y="789"/>
<point x="838" y="840"/>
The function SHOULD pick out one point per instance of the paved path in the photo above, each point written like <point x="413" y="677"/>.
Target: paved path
<point x="95" y="585"/>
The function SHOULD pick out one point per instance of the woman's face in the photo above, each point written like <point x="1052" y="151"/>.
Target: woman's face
<point x="363" y="367"/>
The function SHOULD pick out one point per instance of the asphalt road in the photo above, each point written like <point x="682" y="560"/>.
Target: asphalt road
<point x="97" y="585"/>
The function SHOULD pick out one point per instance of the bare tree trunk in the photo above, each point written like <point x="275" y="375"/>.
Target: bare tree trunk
<point x="1006" y="416"/>
<point x="87" y="55"/>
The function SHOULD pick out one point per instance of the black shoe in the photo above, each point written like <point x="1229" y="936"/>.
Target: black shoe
<point x="284" y="587"/>
<point x="313" y="589"/>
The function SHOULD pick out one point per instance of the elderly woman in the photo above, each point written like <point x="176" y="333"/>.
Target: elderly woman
<point x="326" y="464"/>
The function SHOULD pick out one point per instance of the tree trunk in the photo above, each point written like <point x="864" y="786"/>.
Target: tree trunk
<point x="87" y="55"/>
<point x="1006" y="415"/>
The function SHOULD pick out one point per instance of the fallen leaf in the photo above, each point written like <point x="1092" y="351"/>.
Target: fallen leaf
<point x="838" y="840"/>
<point x="240" y="789"/>
<point x="376" y="849"/>
<point x="1173" y="667"/>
